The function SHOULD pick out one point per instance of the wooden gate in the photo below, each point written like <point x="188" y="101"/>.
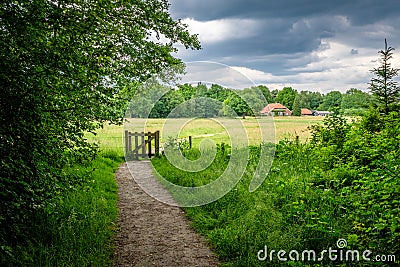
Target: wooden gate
<point x="142" y="145"/>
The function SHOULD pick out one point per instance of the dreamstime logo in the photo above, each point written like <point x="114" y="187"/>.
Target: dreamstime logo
<point x="341" y="243"/>
<point x="331" y="254"/>
<point x="147" y="100"/>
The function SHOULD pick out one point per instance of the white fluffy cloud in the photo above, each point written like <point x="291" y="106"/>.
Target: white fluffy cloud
<point x="334" y="67"/>
<point x="222" y="30"/>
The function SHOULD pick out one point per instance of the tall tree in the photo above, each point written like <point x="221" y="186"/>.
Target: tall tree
<point x="166" y="104"/>
<point x="297" y="104"/>
<point x="305" y="99"/>
<point x="286" y="97"/>
<point x="254" y="98"/>
<point x="383" y="87"/>
<point x="331" y="100"/>
<point x="65" y="67"/>
<point x="274" y="93"/>
<point x="187" y="91"/>
<point x="355" y="99"/>
<point x="237" y="104"/>
<point x="315" y="99"/>
<point x="266" y="92"/>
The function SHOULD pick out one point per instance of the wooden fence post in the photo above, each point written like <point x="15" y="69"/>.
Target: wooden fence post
<point x="157" y="142"/>
<point x="149" y="137"/>
<point x="190" y="141"/>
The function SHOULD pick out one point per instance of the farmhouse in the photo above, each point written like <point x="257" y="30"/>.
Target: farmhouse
<point x="306" y="112"/>
<point x="323" y="113"/>
<point x="275" y="109"/>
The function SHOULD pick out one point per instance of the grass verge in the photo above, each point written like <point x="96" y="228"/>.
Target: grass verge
<point x="287" y="212"/>
<point x="241" y="223"/>
<point x="77" y="228"/>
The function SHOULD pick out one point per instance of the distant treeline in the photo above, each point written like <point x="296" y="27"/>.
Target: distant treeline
<point x="197" y="100"/>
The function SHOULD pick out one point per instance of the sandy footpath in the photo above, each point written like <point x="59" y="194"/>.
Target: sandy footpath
<point x="151" y="233"/>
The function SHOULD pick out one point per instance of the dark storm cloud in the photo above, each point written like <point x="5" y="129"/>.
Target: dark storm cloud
<point x="212" y="9"/>
<point x="359" y="11"/>
<point x="272" y="37"/>
<point x="292" y="37"/>
<point x="284" y="26"/>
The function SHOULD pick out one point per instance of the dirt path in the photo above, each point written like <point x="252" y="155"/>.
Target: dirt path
<point x="152" y="233"/>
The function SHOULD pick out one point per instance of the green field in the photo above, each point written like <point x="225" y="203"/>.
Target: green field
<point x="111" y="136"/>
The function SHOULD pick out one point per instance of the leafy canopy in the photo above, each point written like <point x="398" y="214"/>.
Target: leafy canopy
<point x="286" y="97"/>
<point x="65" y="68"/>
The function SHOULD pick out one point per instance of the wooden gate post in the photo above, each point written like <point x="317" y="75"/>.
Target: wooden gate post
<point x="126" y="142"/>
<point x="143" y="145"/>
<point x="149" y="137"/>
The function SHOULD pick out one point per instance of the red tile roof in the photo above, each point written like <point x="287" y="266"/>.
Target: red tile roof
<point x="306" y="111"/>
<point x="274" y="106"/>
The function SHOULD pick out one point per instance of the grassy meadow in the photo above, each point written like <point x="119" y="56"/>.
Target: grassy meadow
<point x="111" y="136"/>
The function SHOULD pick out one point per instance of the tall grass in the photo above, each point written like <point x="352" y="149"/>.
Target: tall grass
<point x="338" y="193"/>
<point x="77" y="228"/>
<point x="280" y="214"/>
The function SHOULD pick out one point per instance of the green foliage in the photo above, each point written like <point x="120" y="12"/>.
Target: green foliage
<point x="286" y="97"/>
<point x="355" y="102"/>
<point x="383" y="87"/>
<point x="153" y="92"/>
<point x="315" y="99"/>
<point x="187" y="91"/>
<point x="254" y="99"/>
<point x="280" y="214"/>
<point x="343" y="184"/>
<point x="78" y="227"/>
<point x="65" y="68"/>
<point x="332" y="100"/>
<point x="172" y="143"/>
<point x="306" y="99"/>
<point x="217" y="92"/>
<point x="266" y="93"/>
<point x="201" y="101"/>
<point x="164" y="106"/>
<point x="297" y="106"/>
<point x="237" y="104"/>
<point x="183" y="178"/>
<point x="372" y="121"/>
<point x="333" y="132"/>
<point x="310" y="100"/>
<point x="248" y="101"/>
<point x="364" y="172"/>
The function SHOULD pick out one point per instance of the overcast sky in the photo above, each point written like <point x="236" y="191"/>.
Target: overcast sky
<point x="311" y="45"/>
